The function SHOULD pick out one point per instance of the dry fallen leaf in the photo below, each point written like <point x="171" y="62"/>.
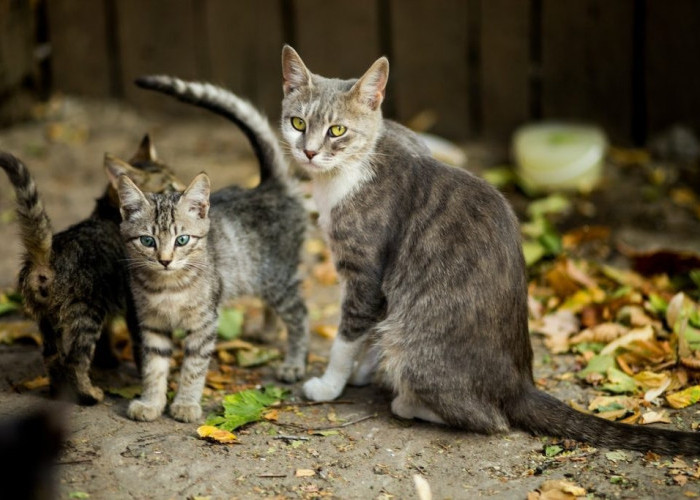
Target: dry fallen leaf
<point x="36" y="383"/>
<point x="326" y="331"/>
<point x="557" y="328"/>
<point x="653" y="417"/>
<point x="211" y="433"/>
<point x="603" y="333"/>
<point x="325" y="273"/>
<point x="557" y="490"/>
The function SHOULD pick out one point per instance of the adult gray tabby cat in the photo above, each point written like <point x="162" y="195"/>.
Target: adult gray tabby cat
<point x="188" y="253"/>
<point x="435" y="292"/>
<point x="74" y="282"/>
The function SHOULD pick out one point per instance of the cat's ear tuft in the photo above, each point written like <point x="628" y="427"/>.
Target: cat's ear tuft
<point x="294" y="72"/>
<point x="195" y="199"/>
<point x="114" y="167"/>
<point x="131" y="200"/>
<point x="371" y="88"/>
<point x="146" y="153"/>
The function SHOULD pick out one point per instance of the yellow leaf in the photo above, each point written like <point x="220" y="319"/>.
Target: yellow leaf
<point x="271" y="415"/>
<point x="558" y="490"/>
<point x="215" y="434"/>
<point x="326" y="331"/>
<point x="36" y="383"/>
<point x="325" y="273"/>
<point x="305" y="473"/>
<point x="684" y="398"/>
<point x="315" y="246"/>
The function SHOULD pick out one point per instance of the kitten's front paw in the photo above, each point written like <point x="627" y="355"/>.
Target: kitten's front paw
<point x="317" y="389"/>
<point x="186" y="412"/>
<point x="145" y="412"/>
<point x="291" y="372"/>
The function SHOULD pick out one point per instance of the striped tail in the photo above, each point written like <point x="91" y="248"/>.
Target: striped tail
<point x="35" y="228"/>
<point x="254" y="124"/>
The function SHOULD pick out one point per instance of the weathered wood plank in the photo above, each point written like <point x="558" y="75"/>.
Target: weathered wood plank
<point x="79" y="50"/>
<point x="587" y="63"/>
<point x="337" y="39"/>
<point x="244" y="43"/>
<point x="672" y="69"/>
<point x="505" y="67"/>
<point x="430" y="63"/>
<point x="158" y="36"/>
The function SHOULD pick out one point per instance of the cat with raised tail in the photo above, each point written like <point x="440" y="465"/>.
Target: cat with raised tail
<point x="74" y="282"/>
<point x="190" y="252"/>
<point x="435" y="290"/>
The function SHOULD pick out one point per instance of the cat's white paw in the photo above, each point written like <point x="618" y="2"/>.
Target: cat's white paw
<point x="317" y="389"/>
<point x="291" y="372"/>
<point x="186" y="412"/>
<point x="143" y="411"/>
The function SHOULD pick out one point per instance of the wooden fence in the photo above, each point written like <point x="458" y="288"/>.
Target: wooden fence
<point x="479" y="67"/>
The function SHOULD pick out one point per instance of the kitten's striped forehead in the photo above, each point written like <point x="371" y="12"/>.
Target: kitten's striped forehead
<point x="164" y="211"/>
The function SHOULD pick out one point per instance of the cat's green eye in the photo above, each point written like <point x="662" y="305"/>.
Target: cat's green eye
<point x="298" y="123"/>
<point x="336" y="130"/>
<point x="148" y="241"/>
<point x="182" y="240"/>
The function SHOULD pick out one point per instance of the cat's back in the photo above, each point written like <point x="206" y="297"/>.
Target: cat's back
<point x="89" y="261"/>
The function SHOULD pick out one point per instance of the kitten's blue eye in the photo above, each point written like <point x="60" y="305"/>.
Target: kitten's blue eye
<point x="148" y="241"/>
<point x="182" y="240"/>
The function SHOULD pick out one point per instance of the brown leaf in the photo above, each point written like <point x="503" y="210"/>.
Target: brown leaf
<point x="603" y="333"/>
<point x="325" y="273"/>
<point x="557" y="327"/>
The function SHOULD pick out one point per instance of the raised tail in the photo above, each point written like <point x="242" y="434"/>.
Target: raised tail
<point x="542" y="414"/>
<point x="35" y="228"/>
<point x="254" y="124"/>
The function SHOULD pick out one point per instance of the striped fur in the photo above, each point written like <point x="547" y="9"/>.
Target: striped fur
<point x="223" y="102"/>
<point x="239" y="242"/>
<point x="74" y="282"/>
<point x="435" y="289"/>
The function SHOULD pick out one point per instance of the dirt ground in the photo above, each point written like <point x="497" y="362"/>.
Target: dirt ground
<point x="368" y="453"/>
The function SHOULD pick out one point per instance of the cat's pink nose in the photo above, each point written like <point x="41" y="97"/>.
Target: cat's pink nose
<point x="310" y="154"/>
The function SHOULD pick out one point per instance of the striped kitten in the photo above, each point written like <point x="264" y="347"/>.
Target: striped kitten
<point x="74" y="282"/>
<point x="435" y="290"/>
<point x="189" y="252"/>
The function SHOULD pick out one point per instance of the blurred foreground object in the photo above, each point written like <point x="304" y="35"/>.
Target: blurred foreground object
<point x="558" y="156"/>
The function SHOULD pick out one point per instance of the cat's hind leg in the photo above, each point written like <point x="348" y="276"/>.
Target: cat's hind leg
<point x="156" y="351"/>
<point x="407" y="406"/>
<point x="290" y="307"/>
<point x="365" y="368"/>
<point x="82" y="326"/>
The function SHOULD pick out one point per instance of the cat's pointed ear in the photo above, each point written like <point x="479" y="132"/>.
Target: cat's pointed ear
<point x="146" y="153"/>
<point x="195" y="199"/>
<point x="131" y="200"/>
<point x="114" y="167"/>
<point x="294" y="72"/>
<point x="371" y="88"/>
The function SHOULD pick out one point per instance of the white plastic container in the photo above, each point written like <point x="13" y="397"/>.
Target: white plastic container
<point x="559" y="156"/>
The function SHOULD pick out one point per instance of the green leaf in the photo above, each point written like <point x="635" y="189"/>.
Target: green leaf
<point x="617" y="456"/>
<point x="127" y="392"/>
<point x="551" y="241"/>
<point x="78" y="494"/>
<point x="230" y="323"/>
<point x="657" y="304"/>
<point x="246" y="406"/>
<point x="499" y="177"/>
<point x="553" y="204"/>
<point x="598" y="364"/>
<point x="247" y="358"/>
<point x="533" y="251"/>
<point x="595" y="347"/>
<point x="619" y="382"/>
<point x="553" y="450"/>
<point x="610" y="407"/>
<point x="695" y="277"/>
